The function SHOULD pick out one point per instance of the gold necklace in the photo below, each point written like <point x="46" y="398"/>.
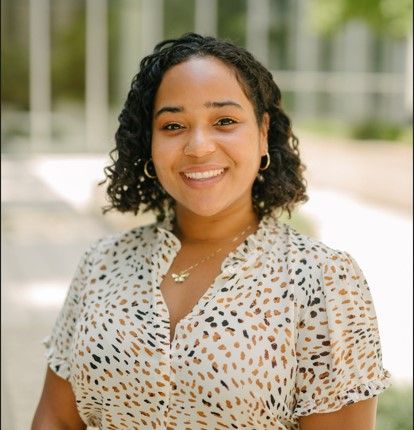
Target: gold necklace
<point x="181" y="276"/>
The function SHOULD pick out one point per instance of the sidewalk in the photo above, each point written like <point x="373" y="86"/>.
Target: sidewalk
<point x="42" y="240"/>
<point x="377" y="172"/>
<point x="47" y="221"/>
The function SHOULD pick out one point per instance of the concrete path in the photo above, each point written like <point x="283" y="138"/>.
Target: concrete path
<point x="42" y="239"/>
<point x="378" y="172"/>
<point x="49" y="219"/>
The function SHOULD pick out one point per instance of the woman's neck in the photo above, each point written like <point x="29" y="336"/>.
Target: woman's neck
<point x="193" y="228"/>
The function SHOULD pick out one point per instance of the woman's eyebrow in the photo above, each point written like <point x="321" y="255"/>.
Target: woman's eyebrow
<point x="172" y="109"/>
<point x="178" y="109"/>
<point x="222" y="104"/>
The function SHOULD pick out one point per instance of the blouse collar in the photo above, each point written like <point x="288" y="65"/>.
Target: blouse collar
<point x="254" y="244"/>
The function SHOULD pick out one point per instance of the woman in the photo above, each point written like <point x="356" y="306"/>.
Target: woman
<point x="217" y="316"/>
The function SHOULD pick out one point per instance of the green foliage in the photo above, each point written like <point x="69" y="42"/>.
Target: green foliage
<point x="68" y="53"/>
<point x="376" y="130"/>
<point x="14" y="55"/>
<point x="113" y="51"/>
<point x="280" y="56"/>
<point x="179" y="17"/>
<point x="395" y="409"/>
<point x="15" y="76"/>
<point x="299" y="222"/>
<point x="232" y="21"/>
<point x="288" y="99"/>
<point x="364" y="130"/>
<point x="389" y="17"/>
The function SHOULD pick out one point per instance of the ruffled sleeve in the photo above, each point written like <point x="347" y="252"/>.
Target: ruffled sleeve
<point x="58" y="344"/>
<point x="338" y="350"/>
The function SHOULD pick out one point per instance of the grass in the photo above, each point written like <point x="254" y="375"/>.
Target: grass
<point x="300" y="223"/>
<point x="395" y="409"/>
<point x="363" y="130"/>
<point x="369" y="130"/>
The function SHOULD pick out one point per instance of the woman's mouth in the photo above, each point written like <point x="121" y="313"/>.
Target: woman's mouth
<point x="204" y="175"/>
<point x="203" y="179"/>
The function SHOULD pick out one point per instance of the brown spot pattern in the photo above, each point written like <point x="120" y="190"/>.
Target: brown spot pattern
<point x="287" y="329"/>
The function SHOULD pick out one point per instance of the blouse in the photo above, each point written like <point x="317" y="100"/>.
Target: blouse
<point x="288" y="328"/>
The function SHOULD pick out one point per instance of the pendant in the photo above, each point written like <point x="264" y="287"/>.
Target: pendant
<point x="180" y="277"/>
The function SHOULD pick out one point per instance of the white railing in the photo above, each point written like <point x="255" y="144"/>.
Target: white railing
<point x="142" y="28"/>
<point x="340" y="82"/>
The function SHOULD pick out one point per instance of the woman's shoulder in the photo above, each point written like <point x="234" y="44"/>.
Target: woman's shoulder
<point x="320" y="272"/>
<point x="313" y="255"/>
<point x="297" y="246"/>
<point x="308" y="260"/>
<point x="135" y="238"/>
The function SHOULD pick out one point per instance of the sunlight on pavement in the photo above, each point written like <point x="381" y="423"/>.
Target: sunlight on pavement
<point x="41" y="294"/>
<point x="73" y="178"/>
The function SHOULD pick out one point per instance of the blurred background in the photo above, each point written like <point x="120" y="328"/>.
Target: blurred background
<point x="345" y="70"/>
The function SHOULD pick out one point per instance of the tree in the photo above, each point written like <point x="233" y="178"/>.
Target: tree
<point x="392" y="18"/>
<point x="389" y="17"/>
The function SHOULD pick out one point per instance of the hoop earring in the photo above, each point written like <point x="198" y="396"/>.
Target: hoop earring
<point x="267" y="162"/>
<point x="147" y="174"/>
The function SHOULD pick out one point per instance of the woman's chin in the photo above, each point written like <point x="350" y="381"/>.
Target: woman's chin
<point x="203" y="210"/>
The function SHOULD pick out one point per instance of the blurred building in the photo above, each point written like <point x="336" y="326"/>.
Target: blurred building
<point x="67" y="66"/>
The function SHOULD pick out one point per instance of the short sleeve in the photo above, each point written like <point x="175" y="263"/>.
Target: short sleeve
<point x="58" y="344"/>
<point x="338" y="350"/>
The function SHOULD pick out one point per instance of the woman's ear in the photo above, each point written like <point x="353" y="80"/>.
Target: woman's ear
<point x="264" y="131"/>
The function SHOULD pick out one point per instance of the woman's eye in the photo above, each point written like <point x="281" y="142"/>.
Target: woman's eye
<point x="226" y="121"/>
<point x="172" y="126"/>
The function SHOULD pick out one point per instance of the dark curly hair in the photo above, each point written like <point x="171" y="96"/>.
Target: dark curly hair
<point x="281" y="186"/>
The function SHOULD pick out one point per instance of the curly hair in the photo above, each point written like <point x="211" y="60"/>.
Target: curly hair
<point x="280" y="186"/>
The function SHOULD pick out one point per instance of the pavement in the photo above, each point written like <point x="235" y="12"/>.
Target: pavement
<point x="375" y="172"/>
<point x="51" y="213"/>
<point x="42" y="239"/>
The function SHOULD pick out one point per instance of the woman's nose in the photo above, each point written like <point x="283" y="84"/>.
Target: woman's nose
<point x="199" y="143"/>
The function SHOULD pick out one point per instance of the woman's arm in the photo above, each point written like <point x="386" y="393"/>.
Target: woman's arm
<point x="357" y="416"/>
<point x="57" y="406"/>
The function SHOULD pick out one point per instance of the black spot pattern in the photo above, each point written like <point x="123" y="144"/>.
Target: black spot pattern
<point x="287" y="329"/>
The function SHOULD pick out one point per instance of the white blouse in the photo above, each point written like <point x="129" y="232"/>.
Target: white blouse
<point x="287" y="329"/>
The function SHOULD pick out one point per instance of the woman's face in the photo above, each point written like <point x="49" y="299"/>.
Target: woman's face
<point x="206" y="143"/>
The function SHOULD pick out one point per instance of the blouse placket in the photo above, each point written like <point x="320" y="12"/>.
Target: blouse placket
<point x="171" y="352"/>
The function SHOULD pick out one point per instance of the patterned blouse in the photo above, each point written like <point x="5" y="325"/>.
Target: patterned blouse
<point x="287" y="329"/>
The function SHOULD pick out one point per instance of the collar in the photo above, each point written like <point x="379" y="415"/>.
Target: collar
<point x="254" y="244"/>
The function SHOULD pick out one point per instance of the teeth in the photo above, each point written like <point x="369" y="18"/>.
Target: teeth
<point x="204" y="175"/>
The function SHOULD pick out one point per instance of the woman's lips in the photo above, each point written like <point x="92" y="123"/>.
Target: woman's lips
<point x="201" y="183"/>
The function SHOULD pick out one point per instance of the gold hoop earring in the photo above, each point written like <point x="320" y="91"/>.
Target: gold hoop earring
<point x="267" y="162"/>
<point x="147" y="174"/>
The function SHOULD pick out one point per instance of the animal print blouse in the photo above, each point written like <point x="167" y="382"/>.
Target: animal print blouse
<point x="287" y="329"/>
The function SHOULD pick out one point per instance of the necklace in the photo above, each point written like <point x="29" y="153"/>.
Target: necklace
<point x="181" y="276"/>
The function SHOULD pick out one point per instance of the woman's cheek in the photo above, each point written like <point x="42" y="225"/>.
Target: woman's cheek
<point x="164" y="162"/>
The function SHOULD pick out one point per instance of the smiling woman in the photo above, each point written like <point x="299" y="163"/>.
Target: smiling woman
<point x="218" y="315"/>
<point x="206" y="142"/>
<point x="242" y="86"/>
